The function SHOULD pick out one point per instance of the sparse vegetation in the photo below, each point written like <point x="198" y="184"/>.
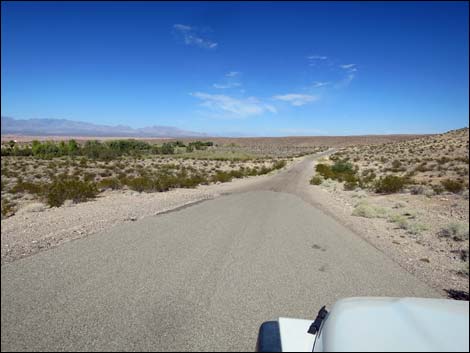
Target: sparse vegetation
<point x="316" y="180"/>
<point x="366" y="210"/>
<point x="40" y="170"/>
<point x="69" y="189"/>
<point x="454" y="186"/>
<point x="455" y="230"/>
<point x="390" y="184"/>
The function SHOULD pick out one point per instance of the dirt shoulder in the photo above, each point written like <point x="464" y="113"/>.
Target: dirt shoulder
<point x="415" y="244"/>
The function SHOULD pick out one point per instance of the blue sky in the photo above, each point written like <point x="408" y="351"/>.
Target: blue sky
<point x="227" y="68"/>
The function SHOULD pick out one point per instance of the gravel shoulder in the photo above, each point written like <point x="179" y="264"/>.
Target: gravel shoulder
<point x="433" y="259"/>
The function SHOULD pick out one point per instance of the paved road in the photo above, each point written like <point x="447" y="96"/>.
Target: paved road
<point x="201" y="278"/>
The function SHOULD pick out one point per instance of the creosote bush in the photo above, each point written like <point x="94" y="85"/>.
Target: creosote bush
<point x="454" y="186"/>
<point x="69" y="189"/>
<point x="316" y="180"/>
<point x="390" y="184"/>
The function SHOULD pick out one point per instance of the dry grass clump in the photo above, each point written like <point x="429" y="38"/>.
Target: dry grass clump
<point x="458" y="231"/>
<point x="367" y="210"/>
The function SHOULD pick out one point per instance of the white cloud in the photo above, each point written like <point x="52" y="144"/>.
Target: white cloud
<point x="181" y="27"/>
<point x="351" y="70"/>
<point x="296" y="99"/>
<point x="227" y="85"/>
<point x="314" y="60"/>
<point x="192" y="37"/>
<point x="317" y="57"/>
<point x="318" y="84"/>
<point x="235" y="107"/>
<point x="230" y="81"/>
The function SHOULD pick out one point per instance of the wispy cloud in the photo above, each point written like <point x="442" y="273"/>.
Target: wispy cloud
<point x="350" y="70"/>
<point x="348" y="66"/>
<point x="192" y="36"/>
<point x="226" y="85"/>
<point x="234" y="107"/>
<point x="296" y="99"/>
<point x="231" y="80"/>
<point x="317" y="57"/>
<point x="314" y="60"/>
<point x="318" y="84"/>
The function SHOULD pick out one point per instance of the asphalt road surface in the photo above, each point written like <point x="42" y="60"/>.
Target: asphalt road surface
<point x="199" y="278"/>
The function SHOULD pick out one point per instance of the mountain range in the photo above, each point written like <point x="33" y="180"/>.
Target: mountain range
<point x="63" y="127"/>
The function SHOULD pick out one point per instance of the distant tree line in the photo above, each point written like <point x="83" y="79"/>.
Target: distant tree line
<point x="97" y="150"/>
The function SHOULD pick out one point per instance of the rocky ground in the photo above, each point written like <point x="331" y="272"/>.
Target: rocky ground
<point x="421" y="249"/>
<point x="425" y="225"/>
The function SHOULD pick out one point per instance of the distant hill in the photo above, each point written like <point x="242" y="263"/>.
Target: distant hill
<point x="63" y="127"/>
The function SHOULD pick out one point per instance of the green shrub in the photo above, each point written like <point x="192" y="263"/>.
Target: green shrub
<point x="324" y="170"/>
<point x="390" y="184"/>
<point x="222" y="177"/>
<point x="279" y="164"/>
<point x="454" y="186"/>
<point x="342" y="167"/>
<point x="69" y="189"/>
<point x="24" y="186"/>
<point x="109" y="183"/>
<point x="141" y="184"/>
<point x="8" y="208"/>
<point x="316" y="180"/>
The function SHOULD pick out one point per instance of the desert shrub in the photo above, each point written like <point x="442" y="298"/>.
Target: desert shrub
<point x="324" y="170"/>
<point x="438" y="189"/>
<point x="400" y="220"/>
<point x="418" y="190"/>
<point x="109" y="183"/>
<point x="366" y="210"/>
<point x="316" y="180"/>
<point x="23" y="186"/>
<point x="342" y="167"/>
<point x="350" y="185"/>
<point x="396" y="164"/>
<point x="416" y="228"/>
<point x="264" y="170"/>
<point x="390" y="184"/>
<point x="199" y="145"/>
<point x="141" y="184"/>
<point x="454" y="186"/>
<point x="8" y="208"/>
<point x="222" y="177"/>
<point x="69" y="189"/>
<point x="192" y="181"/>
<point x="456" y="230"/>
<point x="279" y="164"/>
<point x="167" y="148"/>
